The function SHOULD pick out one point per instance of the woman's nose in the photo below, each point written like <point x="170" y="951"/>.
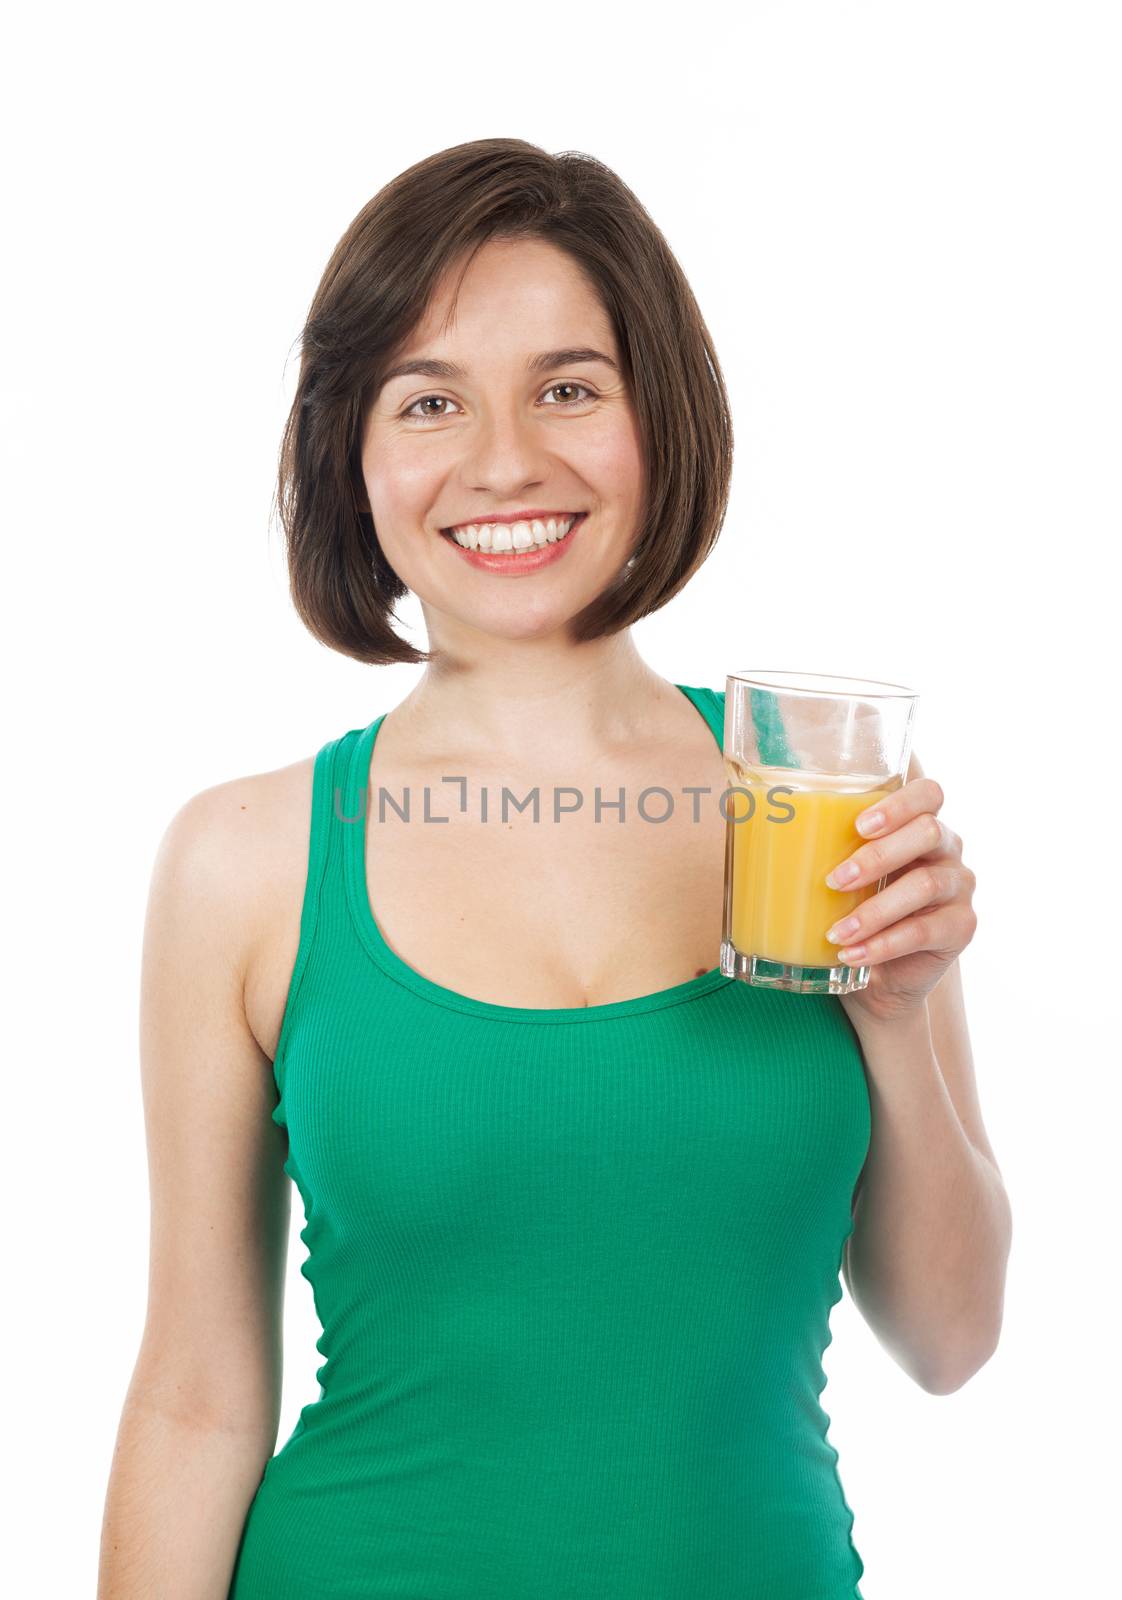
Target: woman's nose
<point x="504" y="450"/>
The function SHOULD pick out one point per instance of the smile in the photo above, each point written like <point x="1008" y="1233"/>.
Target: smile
<point x="512" y="536"/>
<point x="515" y="549"/>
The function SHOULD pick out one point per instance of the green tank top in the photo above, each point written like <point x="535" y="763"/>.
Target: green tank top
<point x="574" y="1269"/>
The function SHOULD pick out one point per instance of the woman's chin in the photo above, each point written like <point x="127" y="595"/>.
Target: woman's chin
<point x="511" y="617"/>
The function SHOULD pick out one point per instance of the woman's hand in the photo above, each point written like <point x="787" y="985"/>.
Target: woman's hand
<point x="921" y="920"/>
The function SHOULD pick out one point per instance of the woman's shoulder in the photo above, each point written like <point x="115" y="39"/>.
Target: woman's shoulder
<point x="252" y="831"/>
<point x="238" y="849"/>
<point x="233" y="819"/>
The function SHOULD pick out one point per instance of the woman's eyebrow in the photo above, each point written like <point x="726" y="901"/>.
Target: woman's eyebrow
<point x="430" y="367"/>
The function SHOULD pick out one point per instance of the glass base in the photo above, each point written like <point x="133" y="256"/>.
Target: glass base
<point x="764" y="974"/>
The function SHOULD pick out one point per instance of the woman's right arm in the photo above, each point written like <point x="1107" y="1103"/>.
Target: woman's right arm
<point x="200" y="1418"/>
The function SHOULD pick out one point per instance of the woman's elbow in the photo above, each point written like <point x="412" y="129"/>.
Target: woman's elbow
<point x="955" y="1372"/>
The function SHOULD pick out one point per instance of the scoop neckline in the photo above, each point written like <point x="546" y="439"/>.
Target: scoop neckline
<point x="366" y="924"/>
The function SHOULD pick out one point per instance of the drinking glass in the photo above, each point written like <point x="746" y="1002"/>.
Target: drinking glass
<point x="805" y="754"/>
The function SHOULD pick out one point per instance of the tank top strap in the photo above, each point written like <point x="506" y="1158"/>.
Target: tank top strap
<point x="711" y="704"/>
<point x="338" y="799"/>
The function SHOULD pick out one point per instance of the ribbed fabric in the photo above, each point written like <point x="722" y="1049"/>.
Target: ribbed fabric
<point x="574" y="1269"/>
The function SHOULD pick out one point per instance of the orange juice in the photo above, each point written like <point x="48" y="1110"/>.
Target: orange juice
<point x="798" y="826"/>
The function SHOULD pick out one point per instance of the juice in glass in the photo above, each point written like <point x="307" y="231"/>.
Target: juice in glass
<point x="785" y="833"/>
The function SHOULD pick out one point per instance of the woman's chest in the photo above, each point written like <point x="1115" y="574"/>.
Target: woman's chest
<point x="557" y="895"/>
<point x="604" y="887"/>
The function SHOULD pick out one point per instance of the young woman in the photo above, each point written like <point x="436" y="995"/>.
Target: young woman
<point x="576" y="1204"/>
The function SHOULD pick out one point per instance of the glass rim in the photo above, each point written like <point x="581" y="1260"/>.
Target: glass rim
<point x="820" y="683"/>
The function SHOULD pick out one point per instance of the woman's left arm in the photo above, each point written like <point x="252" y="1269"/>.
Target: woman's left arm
<point x="932" y="1229"/>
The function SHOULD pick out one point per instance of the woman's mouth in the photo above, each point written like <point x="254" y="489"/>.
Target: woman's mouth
<point x="514" y="547"/>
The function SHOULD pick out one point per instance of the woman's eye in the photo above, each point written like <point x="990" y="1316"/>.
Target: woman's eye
<point x="414" y="415"/>
<point x="554" y="386"/>
<point x="432" y="416"/>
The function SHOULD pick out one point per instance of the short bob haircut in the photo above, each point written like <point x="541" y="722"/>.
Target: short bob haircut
<point x="372" y="296"/>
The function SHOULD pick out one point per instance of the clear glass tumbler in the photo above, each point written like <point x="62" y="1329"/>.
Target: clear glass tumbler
<point x="805" y="754"/>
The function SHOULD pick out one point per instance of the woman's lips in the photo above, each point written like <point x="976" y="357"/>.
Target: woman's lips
<point x="514" y="562"/>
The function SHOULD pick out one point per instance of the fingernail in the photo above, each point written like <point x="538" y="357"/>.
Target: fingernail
<point x="872" y="823"/>
<point x="842" y="930"/>
<point x="843" y="874"/>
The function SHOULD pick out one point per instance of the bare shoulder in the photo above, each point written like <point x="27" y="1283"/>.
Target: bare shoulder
<point x="229" y="824"/>
<point x="238" y="851"/>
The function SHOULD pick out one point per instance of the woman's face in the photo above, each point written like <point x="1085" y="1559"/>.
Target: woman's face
<point x="517" y="428"/>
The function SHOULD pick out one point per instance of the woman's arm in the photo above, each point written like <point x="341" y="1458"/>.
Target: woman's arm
<point x="932" y="1225"/>
<point x="932" y="1228"/>
<point x="200" y="1418"/>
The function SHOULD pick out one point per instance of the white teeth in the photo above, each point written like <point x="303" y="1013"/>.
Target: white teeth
<point x="512" y="536"/>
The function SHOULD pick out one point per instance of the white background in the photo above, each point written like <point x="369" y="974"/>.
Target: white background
<point x="902" y="225"/>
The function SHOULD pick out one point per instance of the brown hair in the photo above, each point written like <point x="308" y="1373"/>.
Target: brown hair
<point x="374" y="293"/>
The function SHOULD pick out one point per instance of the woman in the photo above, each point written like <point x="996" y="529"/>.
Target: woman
<point x="576" y="1204"/>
